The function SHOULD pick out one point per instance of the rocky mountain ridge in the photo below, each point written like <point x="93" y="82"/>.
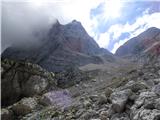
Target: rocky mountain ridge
<point x="69" y="41"/>
<point x="144" y="45"/>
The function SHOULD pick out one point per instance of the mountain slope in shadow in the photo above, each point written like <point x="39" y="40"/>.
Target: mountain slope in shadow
<point x="62" y="47"/>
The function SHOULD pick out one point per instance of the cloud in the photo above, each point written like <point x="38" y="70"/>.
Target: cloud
<point x="28" y="16"/>
<point x="21" y="18"/>
<point x="20" y="23"/>
<point x="104" y="40"/>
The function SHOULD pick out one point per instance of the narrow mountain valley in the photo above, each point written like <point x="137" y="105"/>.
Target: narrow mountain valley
<point x="69" y="77"/>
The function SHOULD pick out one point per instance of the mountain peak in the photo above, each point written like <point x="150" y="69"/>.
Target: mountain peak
<point x="144" y="42"/>
<point x="76" y="25"/>
<point x="75" y="21"/>
<point x="152" y="28"/>
<point x="57" y="22"/>
<point x="69" y="41"/>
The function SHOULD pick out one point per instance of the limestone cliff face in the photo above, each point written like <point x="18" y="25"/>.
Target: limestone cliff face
<point x="63" y="46"/>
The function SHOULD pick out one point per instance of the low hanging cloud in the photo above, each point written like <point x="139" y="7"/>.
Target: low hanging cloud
<point x="22" y="19"/>
<point x="104" y="40"/>
<point x="20" y="22"/>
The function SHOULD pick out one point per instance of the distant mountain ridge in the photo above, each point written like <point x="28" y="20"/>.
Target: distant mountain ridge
<point x="63" y="46"/>
<point x="147" y="43"/>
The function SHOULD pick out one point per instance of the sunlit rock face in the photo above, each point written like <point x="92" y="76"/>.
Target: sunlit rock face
<point x="147" y="43"/>
<point x="63" y="46"/>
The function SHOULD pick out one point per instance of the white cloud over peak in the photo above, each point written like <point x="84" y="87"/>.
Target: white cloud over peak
<point x="26" y="15"/>
<point x="46" y="11"/>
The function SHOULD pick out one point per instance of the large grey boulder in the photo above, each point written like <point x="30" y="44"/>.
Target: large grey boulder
<point x="119" y="99"/>
<point x="150" y="83"/>
<point x="20" y="78"/>
<point x="35" y="85"/>
<point x="25" y="106"/>
<point x="156" y="89"/>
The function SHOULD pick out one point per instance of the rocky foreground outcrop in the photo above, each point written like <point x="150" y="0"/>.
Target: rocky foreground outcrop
<point x="133" y="97"/>
<point x="19" y="79"/>
<point x="23" y="79"/>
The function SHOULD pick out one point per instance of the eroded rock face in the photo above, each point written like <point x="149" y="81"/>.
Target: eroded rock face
<point x="23" y="79"/>
<point x="10" y="88"/>
<point x="35" y="85"/>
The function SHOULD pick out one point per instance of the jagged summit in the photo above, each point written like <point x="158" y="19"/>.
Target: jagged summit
<point x="69" y="41"/>
<point x="76" y="22"/>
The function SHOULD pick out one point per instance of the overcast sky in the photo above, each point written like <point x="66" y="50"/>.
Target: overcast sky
<point x="110" y="22"/>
